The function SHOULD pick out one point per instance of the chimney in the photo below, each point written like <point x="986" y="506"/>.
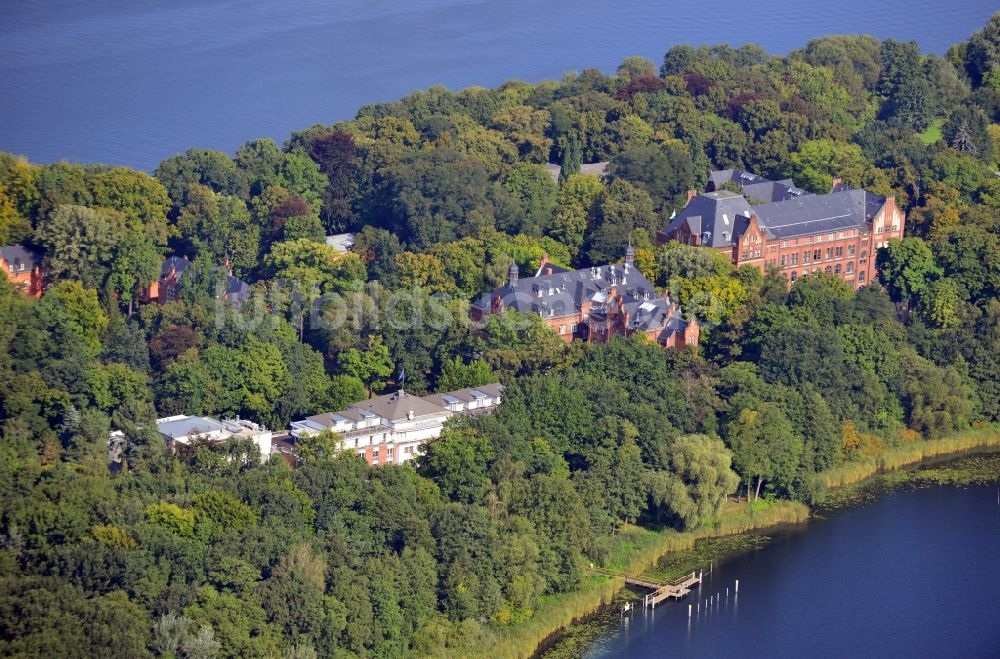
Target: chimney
<point x="542" y="266"/>
<point x="691" y="195"/>
<point x="837" y="181"/>
<point x="512" y="275"/>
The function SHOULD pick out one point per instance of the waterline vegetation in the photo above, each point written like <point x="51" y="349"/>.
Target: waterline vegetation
<point x="669" y="554"/>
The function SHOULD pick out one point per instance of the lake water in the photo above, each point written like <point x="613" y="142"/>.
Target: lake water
<point x="132" y="83"/>
<point x="914" y="574"/>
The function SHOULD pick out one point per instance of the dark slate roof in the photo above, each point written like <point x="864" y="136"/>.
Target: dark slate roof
<point x="712" y="216"/>
<point x="551" y="267"/>
<point x="174" y="263"/>
<point x="755" y="186"/>
<point x="563" y="293"/>
<point x="16" y="255"/>
<point x="811" y="214"/>
<point x="237" y="290"/>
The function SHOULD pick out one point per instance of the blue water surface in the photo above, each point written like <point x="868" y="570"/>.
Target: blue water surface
<point x="134" y="81"/>
<point x="915" y="574"/>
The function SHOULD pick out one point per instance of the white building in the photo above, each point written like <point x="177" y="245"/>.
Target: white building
<point x="183" y="429"/>
<point x="342" y="242"/>
<point x="390" y="429"/>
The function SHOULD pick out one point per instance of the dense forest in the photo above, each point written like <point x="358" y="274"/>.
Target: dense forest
<point x="213" y="554"/>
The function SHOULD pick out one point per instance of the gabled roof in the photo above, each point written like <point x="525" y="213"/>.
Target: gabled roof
<point x="719" y="218"/>
<point x="755" y="186"/>
<point x="174" y="263"/>
<point x="17" y="255"/>
<point x="712" y="217"/>
<point x="466" y="395"/>
<point x="237" y="290"/>
<point x="563" y="293"/>
<point x="395" y="407"/>
<point x="811" y="214"/>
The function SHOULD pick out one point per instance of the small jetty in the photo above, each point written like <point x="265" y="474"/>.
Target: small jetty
<point x="661" y="590"/>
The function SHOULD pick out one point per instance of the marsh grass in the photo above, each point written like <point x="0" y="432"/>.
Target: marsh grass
<point x="897" y="457"/>
<point x="636" y="550"/>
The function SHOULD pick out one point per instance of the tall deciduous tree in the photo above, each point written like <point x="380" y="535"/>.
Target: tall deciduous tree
<point x="907" y="268"/>
<point x="136" y="263"/>
<point x="79" y="242"/>
<point x="373" y="365"/>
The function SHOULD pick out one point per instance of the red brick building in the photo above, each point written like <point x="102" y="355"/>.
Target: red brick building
<point x="593" y="304"/>
<point x="166" y="288"/>
<point x="836" y="233"/>
<point x="23" y="266"/>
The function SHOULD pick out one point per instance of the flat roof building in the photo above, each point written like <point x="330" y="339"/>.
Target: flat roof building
<point x="186" y="430"/>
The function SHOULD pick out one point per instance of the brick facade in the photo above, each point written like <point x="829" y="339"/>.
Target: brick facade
<point x="849" y="254"/>
<point x="592" y="304"/>
<point x="24" y="268"/>
<point x="838" y="234"/>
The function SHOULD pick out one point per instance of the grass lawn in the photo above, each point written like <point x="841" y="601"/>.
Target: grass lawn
<point x="933" y="132"/>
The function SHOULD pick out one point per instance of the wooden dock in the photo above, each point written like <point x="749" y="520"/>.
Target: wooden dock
<point x="662" y="590"/>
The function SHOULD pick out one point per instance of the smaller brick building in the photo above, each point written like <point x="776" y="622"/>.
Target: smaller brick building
<point x="166" y="288"/>
<point x="837" y="233"/>
<point x="23" y="266"/>
<point x="593" y="304"/>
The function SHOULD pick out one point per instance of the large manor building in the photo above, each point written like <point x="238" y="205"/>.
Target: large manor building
<point x="391" y="429"/>
<point x="593" y="304"/>
<point x="798" y="232"/>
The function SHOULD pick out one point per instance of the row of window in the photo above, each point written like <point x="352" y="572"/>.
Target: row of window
<point x="793" y="276"/>
<point x="817" y="255"/>
<point x="389" y="451"/>
<point x="840" y="235"/>
<point x="571" y="329"/>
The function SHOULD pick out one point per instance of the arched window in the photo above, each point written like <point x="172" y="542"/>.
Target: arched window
<point x="850" y="267"/>
<point x="836" y="269"/>
<point x="827" y="270"/>
<point x="861" y="277"/>
<point x="795" y="276"/>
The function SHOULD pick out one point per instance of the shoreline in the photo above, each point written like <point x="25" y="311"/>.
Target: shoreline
<point x="636" y="549"/>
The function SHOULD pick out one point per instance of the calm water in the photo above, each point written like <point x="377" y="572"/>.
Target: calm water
<point x="915" y="574"/>
<point x="134" y="82"/>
